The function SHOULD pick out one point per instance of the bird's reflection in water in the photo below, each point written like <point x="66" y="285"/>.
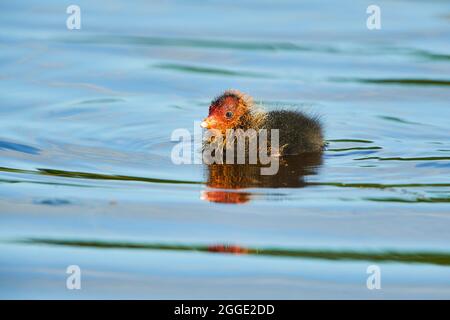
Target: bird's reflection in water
<point x="231" y="178"/>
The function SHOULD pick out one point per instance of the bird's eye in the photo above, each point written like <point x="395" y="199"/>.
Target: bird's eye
<point x="229" y="114"/>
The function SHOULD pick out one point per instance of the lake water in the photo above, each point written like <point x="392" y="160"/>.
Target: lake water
<point x="86" y="176"/>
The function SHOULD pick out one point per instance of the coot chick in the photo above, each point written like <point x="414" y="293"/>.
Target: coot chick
<point x="298" y="132"/>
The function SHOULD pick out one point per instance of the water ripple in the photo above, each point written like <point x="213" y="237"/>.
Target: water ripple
<point x="435" y="258"/>
<point x="395" y="81"/>
<point x="209" y="70"/>
<point x="5" y="145"/>
<point x="405" y="159"/>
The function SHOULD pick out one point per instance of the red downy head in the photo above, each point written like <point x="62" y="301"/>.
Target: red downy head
<point x="226" y="111"/>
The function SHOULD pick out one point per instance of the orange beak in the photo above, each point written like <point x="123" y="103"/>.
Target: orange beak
<point x="208" y="123"/>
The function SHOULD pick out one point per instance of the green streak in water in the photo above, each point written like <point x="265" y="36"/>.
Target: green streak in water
<point x="378" y="185"/>
<point x="208" y="70"/>
<point x="431" y="55"/>
<point x="416" y="200"/>
<point x="96" y="176"/>
<point x="421" y="82"/>
<point x="355" y="148"/>
<point x="436" y="258"/>
<point x="350" y="140"/>
<point x="395" y="119"/>
<point x="197" y="43"/>
<point x="405" y="82"/>
<point x="108" y="39"/>
<point x="405" y="159"/>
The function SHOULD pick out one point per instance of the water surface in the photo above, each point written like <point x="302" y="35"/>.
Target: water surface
<point x="86" y="176"/>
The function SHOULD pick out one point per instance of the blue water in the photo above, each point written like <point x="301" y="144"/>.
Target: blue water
<point x="86" y="176"/>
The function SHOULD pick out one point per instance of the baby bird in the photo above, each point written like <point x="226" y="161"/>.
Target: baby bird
<point x="298" y="132"/>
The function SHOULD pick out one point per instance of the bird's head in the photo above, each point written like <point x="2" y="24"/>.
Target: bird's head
<point x="228" y="111"/>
